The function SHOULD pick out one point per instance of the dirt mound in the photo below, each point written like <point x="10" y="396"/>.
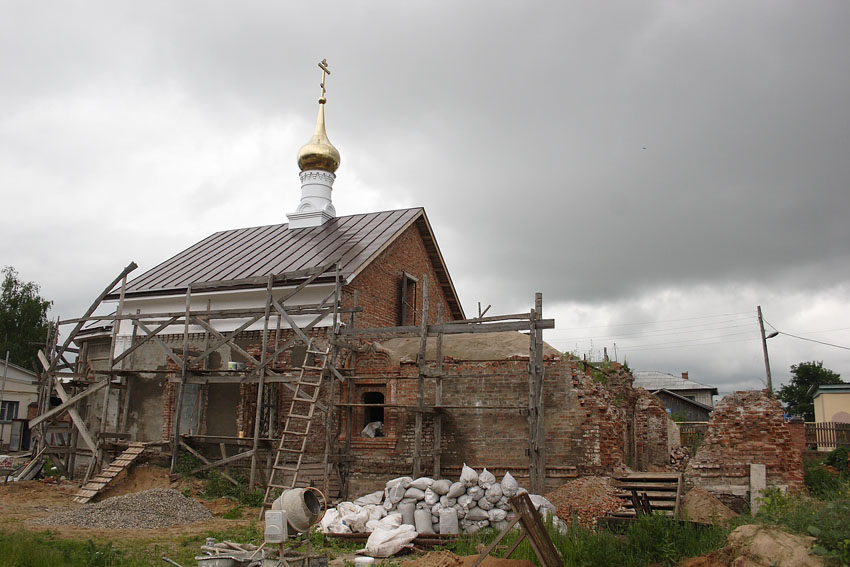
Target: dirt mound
<point x="149" y="509"/>
<point x="586" y="499"/>
<point x="760" y="546"/>
<point x="139" y="478"/>
<point x="702" y="506"/>
<point x="449" y="559"/>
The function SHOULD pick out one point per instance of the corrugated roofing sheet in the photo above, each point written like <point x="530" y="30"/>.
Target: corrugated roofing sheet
<point x="652" y="380"/>
<point x="259" y="251"/>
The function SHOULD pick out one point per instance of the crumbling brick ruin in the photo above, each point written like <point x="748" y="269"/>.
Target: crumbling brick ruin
<point x="746" y="428"/>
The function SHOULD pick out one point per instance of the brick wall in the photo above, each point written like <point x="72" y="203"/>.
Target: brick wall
<point x="745" y="427"/>
<point x="379" y="284"/>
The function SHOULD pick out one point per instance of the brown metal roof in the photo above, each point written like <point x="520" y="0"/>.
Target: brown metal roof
<point x="352" y="241"/>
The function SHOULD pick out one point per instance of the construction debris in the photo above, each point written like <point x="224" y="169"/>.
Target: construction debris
<point x="760" y="546"/>
<point x="585" y="500"/>
<point x="449" y="559"/>
<point x="476" y="501"/>
<point x="149" y="509"/>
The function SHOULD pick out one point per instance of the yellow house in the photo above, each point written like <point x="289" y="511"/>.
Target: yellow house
<point x="832" y="415"/>
<point x="832" y="403"/>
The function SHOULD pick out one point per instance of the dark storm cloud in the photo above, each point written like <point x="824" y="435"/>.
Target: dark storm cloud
<point x="603" y="153"/>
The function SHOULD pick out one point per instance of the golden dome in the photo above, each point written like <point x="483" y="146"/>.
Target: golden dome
<point x="319" y="153"/>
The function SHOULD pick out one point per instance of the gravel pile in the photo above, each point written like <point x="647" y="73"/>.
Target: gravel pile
<point x="586" y="499"/>
<point x="149" y="509"/>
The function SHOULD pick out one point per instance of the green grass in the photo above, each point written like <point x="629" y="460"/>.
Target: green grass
<point x="655" y="540"/>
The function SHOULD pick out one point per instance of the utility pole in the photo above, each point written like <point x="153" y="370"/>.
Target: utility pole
<point x="764" y="349"/>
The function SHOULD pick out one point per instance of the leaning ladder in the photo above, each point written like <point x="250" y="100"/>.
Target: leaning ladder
<point x="296" y="429"/>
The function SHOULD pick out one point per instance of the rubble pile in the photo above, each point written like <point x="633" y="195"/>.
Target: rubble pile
<point x="585" y="499"/>
<point x="441" y="506"/>
<point x="149" y="509"/>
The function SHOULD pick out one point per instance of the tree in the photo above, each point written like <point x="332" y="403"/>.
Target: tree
<point x="23" y="319"/>
<point x="796" y="394"/>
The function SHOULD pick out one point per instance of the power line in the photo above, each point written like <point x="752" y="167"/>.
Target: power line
<point x="654" y="322"/>
<point x="812" y="340"/>
<point x="659" y="332"/>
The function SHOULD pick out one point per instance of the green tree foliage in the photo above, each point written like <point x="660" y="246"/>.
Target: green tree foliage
<point x="795" y="394"/>
<point x="23" y="319"/>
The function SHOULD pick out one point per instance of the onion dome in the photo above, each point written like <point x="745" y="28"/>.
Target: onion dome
<point x="319" y="153"/>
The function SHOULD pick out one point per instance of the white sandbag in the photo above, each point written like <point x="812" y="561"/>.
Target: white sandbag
<point x="332" y="523"/>
<point x="465" y="501"/>
<point x="353" y="516"/>
<point x="486" y="479"/>
<point x="435" y="509"/>
<point x="468" y="476"/>
<point x="404" y="481"/>
<point x="414" y="493"/>
<point x="373" y="498"/>
<point x="375" y="512"/>
<point x="496" y="515"/>
<point x="448" y="521"/>
<point x="420" y="505"/>
<point x="503" y="503"/>
<point x="500" y="525"/>
<point x="431" y="497"/>
<point x="475" y="492"/>
<point x="441" y="486"/>
<point x="521" y="490"/>
<point x="509" y="485"/>
<point x="421" y="483"/>
<point x="423" y="521"/>
<point x="483" y="524"/>
<point x="447" y="502"/>
<point x="456" y="489"/>
<point x="388" y="523"/>
<point x="395" y="493"/>
<point x="542" y="505"/>
<point x="476" y="514"/>
<point x="406" y="510"/>
<point x="461" y="511"/>
<point x="384" y="543"/>
<point x="408" y="501"/>
<point x="470" y="527"/>
<point x="485" y="504"/>
<point x="494" y="493"/>
<point x="434" y="520"/>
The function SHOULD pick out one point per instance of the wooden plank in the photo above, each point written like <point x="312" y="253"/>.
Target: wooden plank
<point x="642" y="486"/>
<point x="420" y="390"/>
<point x="65" y="405"/>
<point x="203" y="459"/>
<point x="230" y="459"/>
<point x="75" y="416"/>
<point x="451" y="328"/>
<point x="538" y="537"/>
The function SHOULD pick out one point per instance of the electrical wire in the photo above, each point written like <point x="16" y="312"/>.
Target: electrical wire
<point x="813" y="340"/>
<point x="655" y="322"/>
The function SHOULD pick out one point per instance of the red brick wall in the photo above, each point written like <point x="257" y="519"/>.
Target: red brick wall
<point x="746" y="427"/>
<point x="379" y="284"/>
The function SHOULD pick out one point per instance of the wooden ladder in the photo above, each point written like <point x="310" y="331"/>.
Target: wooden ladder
<point x="296" y="430"/>
<point x="99" y="483"/>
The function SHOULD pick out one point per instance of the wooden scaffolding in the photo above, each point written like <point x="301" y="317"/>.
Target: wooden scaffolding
<point x="67" y="376"/>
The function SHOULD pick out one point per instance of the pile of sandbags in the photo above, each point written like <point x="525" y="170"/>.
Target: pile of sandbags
<point x="441" y="506"/>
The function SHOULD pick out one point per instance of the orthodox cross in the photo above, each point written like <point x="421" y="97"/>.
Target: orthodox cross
<point x="323" y="65"/>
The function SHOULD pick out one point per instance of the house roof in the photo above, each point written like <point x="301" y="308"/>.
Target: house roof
<point x="352" y="241"/>
<point x="652" y="380"/>
<point x="819" y="389"/>
<point x="18" y="373"/>
<point x="683" y="399"/>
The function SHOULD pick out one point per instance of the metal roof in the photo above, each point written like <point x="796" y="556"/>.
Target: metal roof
<point x="652" y="380"/>
<point x="353" y="241"/>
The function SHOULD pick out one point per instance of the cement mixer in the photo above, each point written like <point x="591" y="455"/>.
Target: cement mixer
<point x="302" y="508"/>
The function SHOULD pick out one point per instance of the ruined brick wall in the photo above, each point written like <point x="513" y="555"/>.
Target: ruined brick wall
<point x="589" y="424"/>
<point x="745" y="427"/>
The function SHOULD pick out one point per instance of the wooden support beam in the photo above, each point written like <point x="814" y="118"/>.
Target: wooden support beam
<point x="203" y="459"/>
<point x="438" y="400"/>
<point x="261" y="374"/>
<point x="71" y="402"/>
<point x="73" y="334"/>
<point x="420" y="392"/>
<point x="145" y="339"/>
<point x="224" y="461"/>
<point x="184" y="367"/>
<point x="75" y="416"/>
<point x="451" y="328"/>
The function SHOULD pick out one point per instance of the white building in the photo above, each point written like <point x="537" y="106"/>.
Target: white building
<point x="18" y="389"/>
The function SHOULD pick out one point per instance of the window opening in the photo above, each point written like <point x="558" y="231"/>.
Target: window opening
<point x="408" y="299"/>
<point x="8" y="411"/>
<point x="373" y="425"/>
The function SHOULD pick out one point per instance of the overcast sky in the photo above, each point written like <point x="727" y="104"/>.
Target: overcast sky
<point x="656" y="168"/>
